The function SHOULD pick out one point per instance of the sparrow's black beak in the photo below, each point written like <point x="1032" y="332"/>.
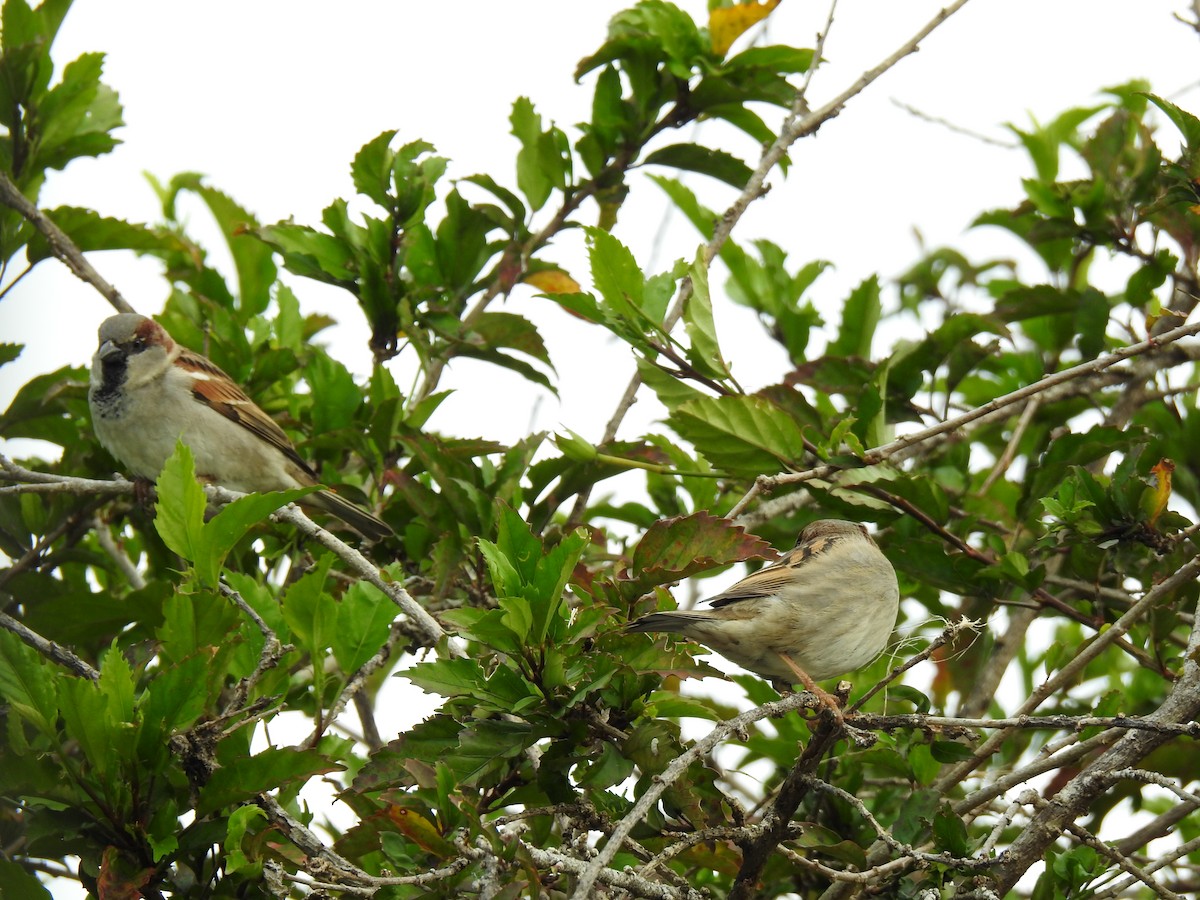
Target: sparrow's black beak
<point x="109" y="350"/>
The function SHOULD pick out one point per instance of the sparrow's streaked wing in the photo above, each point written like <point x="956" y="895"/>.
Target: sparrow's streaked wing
<point x="770" y="580"/>
<point x="220" y="393"/>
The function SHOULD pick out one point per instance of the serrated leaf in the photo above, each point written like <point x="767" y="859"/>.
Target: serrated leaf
<point x="310" y="613"/>
<point x="243" y="778"/>
<point x="740" y="434"/>
<point x="371" y="169"/>
<point x="235" y="830"/>
<point x="92" y="231"/>
<point x="232" y="523"/>
<point x="179" y="511"/>
<point x="675" y="548"/>
<point x="364" y="619"/>
<point x="27" y="684"/>
<point x="1188" y="124"/>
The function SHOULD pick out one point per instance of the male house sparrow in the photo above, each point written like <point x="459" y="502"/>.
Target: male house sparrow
<point x="827" y="607"/>
<point x="147" y="392"/>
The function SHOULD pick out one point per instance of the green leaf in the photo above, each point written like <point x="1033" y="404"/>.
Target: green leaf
<point x="776" y="58"/>
<point x="88" y="720"/>
<point x="28" y="684"/>
<point x="495" y="628"/>
<point x="92" y="231"/>
<point x="17" y="884"/>
<point x="310" y="613"/>
<point x="371" y="169"/>
<point x="915" y="815"/>
<point x="178" y="695"/>
<point x="245" y="777"/>
<point x="1188" y="125"/>
<point x="77" y="116"/>
<point x="312" y="253"/>
<point x="532" y="178"/>
<point x="179" y="511"/>
<point x="254" y="263"/>
<point x="335" y="395"/>
<point x="605" y="770"/>
<point x="705" y="350"/>
<point x="950" y="751"/>
<point x="236" y="827"/>
<point x="715" y="163"/>
<point x="232" y="523"/>
<point x="860" y="315"/>
<point x="364" y="619"/>
<point x="949" y="832"/>
<point x="740" y="434"/>
<point x="617" y="277"/>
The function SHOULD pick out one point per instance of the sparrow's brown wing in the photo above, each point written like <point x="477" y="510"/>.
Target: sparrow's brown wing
<point x="771" y="579"/>
<point x="218" y="391"/>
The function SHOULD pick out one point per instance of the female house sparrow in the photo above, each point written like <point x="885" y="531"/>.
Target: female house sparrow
<point x="147" y="392"/>
<point x="827" y="607"/>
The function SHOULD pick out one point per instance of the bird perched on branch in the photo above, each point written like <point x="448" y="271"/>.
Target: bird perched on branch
<point x="147" y="392"/>
<point x="826" y="608"/>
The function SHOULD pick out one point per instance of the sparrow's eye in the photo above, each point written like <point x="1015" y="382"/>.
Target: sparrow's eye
<point x="139" y="344"/>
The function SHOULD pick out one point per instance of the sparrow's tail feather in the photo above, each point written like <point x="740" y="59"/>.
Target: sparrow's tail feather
<point x="675" y="620"/>
<point x="359" y="519"/>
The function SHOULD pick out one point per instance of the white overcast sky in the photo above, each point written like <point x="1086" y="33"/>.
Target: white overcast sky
<point x="271" y="99"/>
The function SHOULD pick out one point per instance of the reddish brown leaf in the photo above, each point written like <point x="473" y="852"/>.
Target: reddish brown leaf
<point x="672" y="549"/>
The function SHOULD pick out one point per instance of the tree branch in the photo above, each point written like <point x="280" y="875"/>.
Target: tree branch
<point x="56" y="653"/>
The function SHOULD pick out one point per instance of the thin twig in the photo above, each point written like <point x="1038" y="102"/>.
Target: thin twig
<point x="1010" y="449"/>
<point x="272" y="651"/>
<point x="949" y="634"/>
<point x="105" y="539"/>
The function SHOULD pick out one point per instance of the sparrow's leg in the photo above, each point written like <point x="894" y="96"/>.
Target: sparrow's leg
<point x="827" y="700"/>
<point x="143" y="494"/>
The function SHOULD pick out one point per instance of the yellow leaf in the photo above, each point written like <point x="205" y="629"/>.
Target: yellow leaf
<point x="420" y="831"/>
<point x="1162" y="487"/>
<point x="727" y="24"/>
<point x="552" y="281"/>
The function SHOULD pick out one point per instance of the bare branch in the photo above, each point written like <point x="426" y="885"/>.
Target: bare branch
<point x="951" y="724"/>
<point x="105" y="539"/>
<point x="54" y="652"/>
